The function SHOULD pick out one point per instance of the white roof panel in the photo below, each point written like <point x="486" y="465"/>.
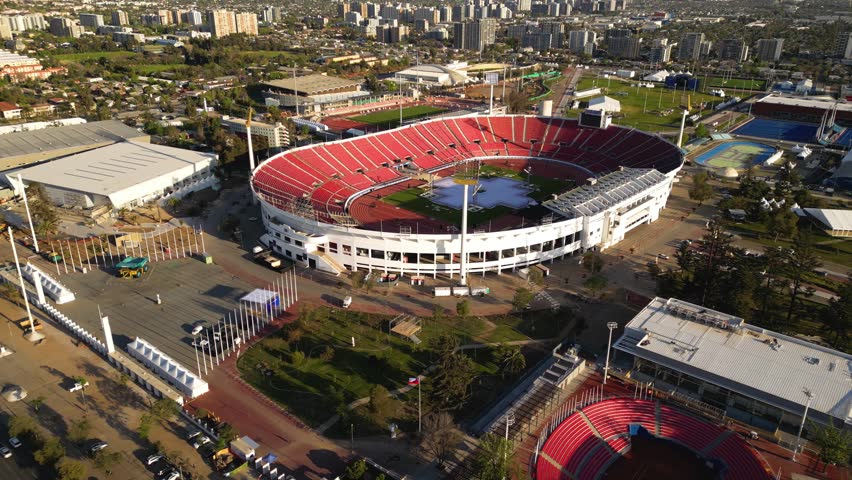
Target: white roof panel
<point x="833" y="219"/>
<point x="753" y="361"/>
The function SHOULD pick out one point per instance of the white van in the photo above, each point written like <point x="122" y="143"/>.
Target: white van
<point x="347" y="301"/>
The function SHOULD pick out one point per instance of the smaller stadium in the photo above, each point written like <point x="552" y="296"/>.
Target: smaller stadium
<point x="730" y="158"/>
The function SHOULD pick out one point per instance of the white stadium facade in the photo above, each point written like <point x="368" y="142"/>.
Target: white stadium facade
<point x="322" y="204"/>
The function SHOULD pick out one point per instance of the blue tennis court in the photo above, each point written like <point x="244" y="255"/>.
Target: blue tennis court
<point x="779" y="130"/>
<point x="739" y="155"/>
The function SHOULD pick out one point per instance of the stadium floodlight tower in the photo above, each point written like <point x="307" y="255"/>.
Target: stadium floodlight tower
<point x="467" y="174"/>
<point x="611" y="326"/>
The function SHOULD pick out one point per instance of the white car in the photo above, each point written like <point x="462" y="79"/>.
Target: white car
<point x="203" y="440"/>
<point x="172" y="476"/>
<point x="197" y="329"/>
<point x="77" y="386"/>
<point x="152" y="459"/>
<point x="4" y="450"/>
<point x="14" y="442"/>
<point x="200" y="343"/>
<point x="192" y="434"/>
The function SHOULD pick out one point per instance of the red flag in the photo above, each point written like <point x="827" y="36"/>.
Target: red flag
<point x="413" y="381"/>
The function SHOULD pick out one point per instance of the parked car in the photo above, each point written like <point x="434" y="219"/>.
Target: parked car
<point x="192" y="434"/>
<point x="14" y="442"/>
<point x="200" y="442"/>
<point x="77" y="386"/>
<point x="663" y="256"/>
<point x="200" y="343"/>
<point x="97" y="447"/>
<point x="4" y="450"/>
<point x="198" y="328"/>
<point x="165" y="470"/>
<point x="152" y="459"/>
<point x="172" y="476"/>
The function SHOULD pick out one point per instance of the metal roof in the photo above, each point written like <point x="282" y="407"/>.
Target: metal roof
<point x="116" y="170"/>
<point x="833" y="219"/>
<point x="809" y="102"/>
<point x="313" y="84"/>
<point x="68" y="136"/>
<point x="724" y="350"/>
<point x="606" y="192"/>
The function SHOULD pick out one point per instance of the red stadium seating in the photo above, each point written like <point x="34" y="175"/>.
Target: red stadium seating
<point x="585" y="455"/>
<point x="365" y="162"/>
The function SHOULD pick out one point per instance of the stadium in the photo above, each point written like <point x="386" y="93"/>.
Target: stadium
<point x="542" y="188"/>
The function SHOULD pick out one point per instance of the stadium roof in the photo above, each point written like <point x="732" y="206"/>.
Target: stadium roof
<point x="314" y="84"/>
<point x="725" y="351"/>
<point x="809" y="102"/>
<point x="68" y="136"/>
<point x="605" y="192"/>
<point x="117" y="170"/>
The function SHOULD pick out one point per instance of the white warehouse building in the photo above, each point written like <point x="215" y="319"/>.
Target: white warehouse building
<point x="122" y="175"/>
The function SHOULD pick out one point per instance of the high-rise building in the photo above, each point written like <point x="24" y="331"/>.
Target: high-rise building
<point x="660" y="54"/>
<point x="221" y="22"/>
<point x="246" y="22"/>
<point x="65" y="27"/>
<point x="620" y="43"/>
<point x="843" y="45"/>
<point x="769" y="49"/>
<point x="119" y="18"/>
<point x="91" y="20"/>
<point x="690" y="46"/>
<point x="733" y="49"/>
<point x="474" y="35"/>
<point x="557" y="30"/>
<point x="539" y="42"/>
<point x="21" y="23"/>
<point x="704" y="48"/>
<point x="579" y="41"/>
<point x="192" y="17"/>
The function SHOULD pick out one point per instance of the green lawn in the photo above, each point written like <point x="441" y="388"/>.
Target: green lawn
<point x="410" y="199"/>
<point x="391" y="117"/>
<point x="79" y="57"/>
<point x="156" y="68"/>
<point x="316" y="389"/>
<point x="735" y="83"/>
<point x="652" y="109"/>
<point x="830" y="249"/>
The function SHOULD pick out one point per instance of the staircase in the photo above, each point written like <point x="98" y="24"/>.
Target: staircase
<point x="334" y="267"/>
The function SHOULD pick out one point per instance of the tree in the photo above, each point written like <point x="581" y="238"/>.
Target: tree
<point x="837" y="316"/>
<point x="9" y="291"/>
<point x="356" y="470"/>
<point x="801" y="261"/>
<point x="79" y="430"/>
<point x="783" y="222"/>
<point x="517" y="102"/>
<point x="463" y="308"/>
<point x="701" y="131"/>
<point x="700" y="190"/>
<point x="592" y="262"/>
<point x="146" y="421"/>
<point x="83" y="383"/>
<point x="50" y="452"/>
<point x="451" y="386"/>
<point x="511" y="360"/>
<point x="20" y="425"/>
<point x="227" y="434"/>
<point x="522" y="298"/>
<point x="491" y="461"/>
<point x="37" y="403"/>
<point x="835" y="446"/>
<point x="107" y="460"/>
<point x="596" y="283"/>
<point x="71" y="470"/>
<point x="440" y="436"/>
<point x="164" y="409"/>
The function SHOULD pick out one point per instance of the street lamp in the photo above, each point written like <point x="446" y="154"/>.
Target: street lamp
<point x="611" y="326"/>
<point x="510" y="420"/>
<point x="810" y="396"/>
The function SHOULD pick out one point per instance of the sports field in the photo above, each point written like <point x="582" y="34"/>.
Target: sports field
<point x="410" y="199"/>
<point x="738" y="155"/>
<point x="735" y="83"/>
<point x="391" y="117"/>
<point x="779" y="130"/>
<point x="650" y="109"/>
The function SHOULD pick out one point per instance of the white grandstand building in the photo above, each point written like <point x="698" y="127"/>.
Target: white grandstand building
<point x="312" y="217"/>
<point x="754" y="375"/>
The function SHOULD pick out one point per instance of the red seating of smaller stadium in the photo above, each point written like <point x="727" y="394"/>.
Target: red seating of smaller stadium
<point x="685" y="429"/>
<point x="612" y="417"/>
<point x="595" y="464"/>
<point x="741" y="461"/>
<point x="567" y="438"/>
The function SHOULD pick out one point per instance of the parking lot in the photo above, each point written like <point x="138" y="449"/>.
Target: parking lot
<point x="189" y="290"/>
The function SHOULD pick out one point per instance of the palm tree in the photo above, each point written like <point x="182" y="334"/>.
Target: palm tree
<point x="512" y="361"/>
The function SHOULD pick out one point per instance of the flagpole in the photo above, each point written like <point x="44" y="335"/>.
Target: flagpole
<point x="419" y="410"/>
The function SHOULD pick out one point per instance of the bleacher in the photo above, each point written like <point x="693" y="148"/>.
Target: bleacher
<point x="370" y="161"/>
<point x="585" y="452"/>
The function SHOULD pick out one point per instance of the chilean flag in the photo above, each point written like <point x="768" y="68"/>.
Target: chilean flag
<point x="413" y="381"/>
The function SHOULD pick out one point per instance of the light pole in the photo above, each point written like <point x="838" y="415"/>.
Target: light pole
<point x="510" y="420"/>
<point x="611" y="326"/>
<point x="810" y="396"/>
